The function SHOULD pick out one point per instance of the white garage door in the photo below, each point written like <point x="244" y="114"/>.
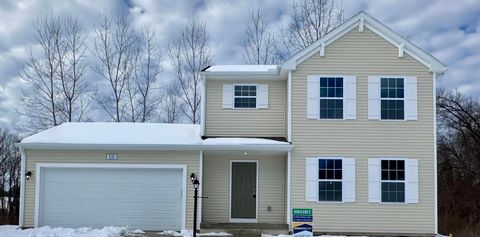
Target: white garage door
<point x="149" y="199"/>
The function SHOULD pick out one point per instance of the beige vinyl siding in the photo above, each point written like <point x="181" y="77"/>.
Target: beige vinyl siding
<point x="271" y="187"/>
<point x="245" y="122"/>
<point x="365" y="54"/>
<point x="189" y="158"/>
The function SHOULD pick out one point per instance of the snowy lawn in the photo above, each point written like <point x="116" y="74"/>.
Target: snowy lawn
<point x="110" y="231"/>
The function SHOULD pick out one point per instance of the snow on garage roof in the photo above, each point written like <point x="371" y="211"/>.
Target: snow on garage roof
<point x="242" y="68"/>
<point x="126" y="136"/>
<point x="119" y="133"/>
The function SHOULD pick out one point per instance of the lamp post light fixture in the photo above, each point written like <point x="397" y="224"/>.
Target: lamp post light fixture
<point x="196" y="184"/>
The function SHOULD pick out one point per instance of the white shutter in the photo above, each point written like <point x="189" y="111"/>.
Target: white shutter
<point x="411" y="181"/>
<point x="350" y="95"/>
<point x="262" y="96"/>
<point x="311" y="178"/>
<point x="312" y="97"/>
<point x="410" y="98"/>
<point x="374" y="170"/>
<point x="348" y="186"/>
<point x="373" y="97"/>
<point x="227" y="96"/>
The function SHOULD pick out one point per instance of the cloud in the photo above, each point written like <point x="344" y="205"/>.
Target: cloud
<point x="450" y="30"/>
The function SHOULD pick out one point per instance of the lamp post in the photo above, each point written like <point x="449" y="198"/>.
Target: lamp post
<point x="196" y="184"/>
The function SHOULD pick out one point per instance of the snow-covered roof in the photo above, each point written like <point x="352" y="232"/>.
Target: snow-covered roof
<point x="119" y="133"/>
<point x="243" y="68"/>
<point x="154" y="136"/>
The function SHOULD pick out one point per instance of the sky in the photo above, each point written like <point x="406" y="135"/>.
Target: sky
<point x="449" y="30"/>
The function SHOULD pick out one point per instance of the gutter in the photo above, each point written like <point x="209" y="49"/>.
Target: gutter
<point x="157" y="147"/>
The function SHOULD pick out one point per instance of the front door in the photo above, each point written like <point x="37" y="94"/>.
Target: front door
<point x="244" y="191"/>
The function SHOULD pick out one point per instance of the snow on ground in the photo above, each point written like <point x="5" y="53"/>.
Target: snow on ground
<point x="267" y="235"/>
<point x="188" y="233"/>
<point x="109" y="231"/>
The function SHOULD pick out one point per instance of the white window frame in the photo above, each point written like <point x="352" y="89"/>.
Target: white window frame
<point x="239" y="96"/>
<point x="381" y="98"/>
<point x="329" y="180"/>
<point x="404" y="181"/>
<point x="332" y="98"/>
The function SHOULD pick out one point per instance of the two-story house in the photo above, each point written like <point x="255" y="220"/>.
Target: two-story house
<point x="345" y="127"/>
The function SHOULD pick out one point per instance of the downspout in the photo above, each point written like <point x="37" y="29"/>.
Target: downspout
<point x="23" y="162"/>
<point x="289" y="107"/>
<point x="289" y="163"/>
<point x="202" y="104"/>
<point x="200" y="189"/>
<point x="435" y="168"/>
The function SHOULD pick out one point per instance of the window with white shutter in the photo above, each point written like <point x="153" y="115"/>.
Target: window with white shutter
<point x="330" y="179"/>
<point x="227" y="96"/>
<point x="331" y="97"/>
<point x="393" y="180"/>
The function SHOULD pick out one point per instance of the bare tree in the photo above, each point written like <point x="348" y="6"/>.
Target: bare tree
<point x="309" y="21"/>
<point x="147" y="75"/>
<point x="72" y="68"/>
<point x="40" y="97"/>
<point x="259" y="47"/>
<point x="116" y="48"/>
<point x="189" y="54"/>
<point x="9" y="178"/>
<point x="171" y="106"/>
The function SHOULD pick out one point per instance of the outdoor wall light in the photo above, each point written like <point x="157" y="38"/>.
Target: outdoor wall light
<point x="192" y="177"/>
<point x="196" y="183"/>
<point x="28" y="174"/>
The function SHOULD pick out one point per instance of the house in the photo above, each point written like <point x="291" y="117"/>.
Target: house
<point x="345" y="127"/>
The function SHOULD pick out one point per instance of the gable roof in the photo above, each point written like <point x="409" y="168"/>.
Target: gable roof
<point x="362" y="19"/>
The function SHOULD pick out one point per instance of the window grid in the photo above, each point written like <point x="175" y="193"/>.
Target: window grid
<point x="330" y="180"/>
<point x="331" y="98"/>
<point x="245" y="96"/>
<point x="393" y="181"/>
<point x="392" y="94"/>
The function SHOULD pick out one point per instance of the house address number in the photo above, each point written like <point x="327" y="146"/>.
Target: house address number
<point x="112" y="156"/>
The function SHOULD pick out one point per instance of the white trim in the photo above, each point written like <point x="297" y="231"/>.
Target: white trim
<point x="289" y="183"/>
<point x="361" y="24"/>
<point x="377" y="27"/>
<point x="234" y="96"/>
<point x="157" y="147"/>
<point x="289" y="107"/>
<point x="23" y="170"/>
<point x="322" y="50"/>
<point x="400" y="50"/>
<point x="318" y="77"/>
<point x="404" y="181"/>
<point x="38" y="176"/>
<point x="200" y="188"/>
<point x="435" y="168"/>
<point x="202" y="104"/>
<point x="241" y="220"/>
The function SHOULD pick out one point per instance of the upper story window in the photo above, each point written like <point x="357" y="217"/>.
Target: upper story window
<point x="245" y="96"/>
<point x="331" y="98"/>
<point x="330" y="180"/>
<point x="393" y="180"/>
<point x="392" y="98"/>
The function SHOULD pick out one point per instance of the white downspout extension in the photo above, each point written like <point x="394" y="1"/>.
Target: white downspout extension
<point x="23" y="162"/>
<point x="202" y="104"/>
<point x="289" y="162"/>
<point x="435" y="150"/>
<point x="289" y="107"/>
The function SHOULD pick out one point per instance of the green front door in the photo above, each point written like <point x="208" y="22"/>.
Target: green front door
<point x="244" y="190"/>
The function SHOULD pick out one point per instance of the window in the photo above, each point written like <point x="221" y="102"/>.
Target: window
<point x="331" y="98"/>
<point x="392" y="98"/>
<point x="245" y="96"/>
<point x="393" y="180"/>
<point x="330" y="180"/>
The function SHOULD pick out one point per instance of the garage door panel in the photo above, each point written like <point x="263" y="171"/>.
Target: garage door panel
<point x="141" y="198"/>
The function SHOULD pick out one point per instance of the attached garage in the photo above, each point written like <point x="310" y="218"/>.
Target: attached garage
<point x="147" y="197"/>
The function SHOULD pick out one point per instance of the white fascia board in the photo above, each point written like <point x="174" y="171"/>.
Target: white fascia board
<point x="157" y="147"/>
<point x="243" y="76"/>
<point x="377" y="27"/>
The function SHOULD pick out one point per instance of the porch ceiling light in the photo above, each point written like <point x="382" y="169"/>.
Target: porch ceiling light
<point x="245" y="153"/>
